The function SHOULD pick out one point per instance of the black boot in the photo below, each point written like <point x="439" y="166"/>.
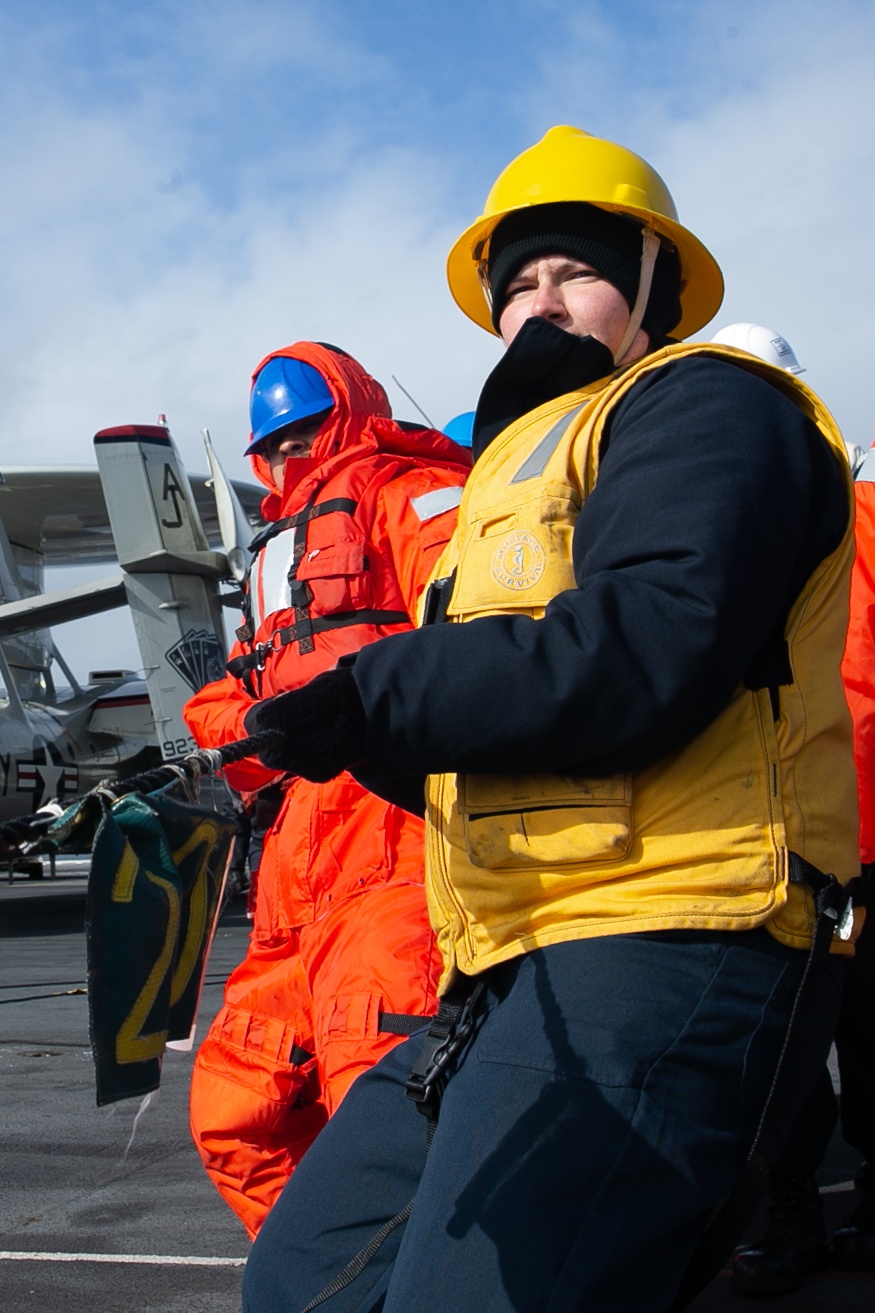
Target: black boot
<point x="853" y="1245"/>
<point x="793" y="1244"/>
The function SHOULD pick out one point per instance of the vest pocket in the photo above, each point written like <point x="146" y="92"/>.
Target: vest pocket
<point x="337" y="578"/>
<point x="517" y="556"/>
<point x="519" y="821"/>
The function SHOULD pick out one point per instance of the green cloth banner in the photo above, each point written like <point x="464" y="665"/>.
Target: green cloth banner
<point x="157" y="872"/>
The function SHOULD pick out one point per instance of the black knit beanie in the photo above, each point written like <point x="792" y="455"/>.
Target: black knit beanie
<point x="607" y="241"/>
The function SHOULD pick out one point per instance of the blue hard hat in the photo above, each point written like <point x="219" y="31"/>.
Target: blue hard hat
<point x="461" y="428"/>
<point x="284" y="391"/>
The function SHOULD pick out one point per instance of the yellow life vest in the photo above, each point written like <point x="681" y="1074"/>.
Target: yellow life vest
<point x="700" y="840"/>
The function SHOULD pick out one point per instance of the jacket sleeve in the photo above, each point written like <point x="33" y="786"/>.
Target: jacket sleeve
<point x="415" y="516"/>
<point x="858" y="666"/>
<point x="716" y="499"/>
<point x="215" y="717"/>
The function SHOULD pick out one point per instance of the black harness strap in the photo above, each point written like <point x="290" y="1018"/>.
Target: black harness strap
<point x="300" y="591"/>
<point x="240" y="666"/>
<point x="448" y="1034"/>
<point x="389" y="1023"/>
<point x="400" y="1023"/>
<point x="311" y="512"/>
<point x="301" y="596"/>
<point x="736" y="1212"/>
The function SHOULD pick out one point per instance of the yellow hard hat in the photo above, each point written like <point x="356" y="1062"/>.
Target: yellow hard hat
<point x="568" y="164"/>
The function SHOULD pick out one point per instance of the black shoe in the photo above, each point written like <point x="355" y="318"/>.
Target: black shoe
<point x="853" y="1244"/>
<point x="793" y="1244"/>
<point x="237" y="885"/>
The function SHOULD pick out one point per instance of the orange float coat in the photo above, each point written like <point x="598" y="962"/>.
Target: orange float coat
<point x="341" y="935"/>
<point x="858" y="666"/>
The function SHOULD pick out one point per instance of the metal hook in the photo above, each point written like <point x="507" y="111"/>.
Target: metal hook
<point x="188" y="784"/>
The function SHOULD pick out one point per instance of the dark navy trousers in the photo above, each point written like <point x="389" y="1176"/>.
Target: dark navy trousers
<point x="602" y="1109"/>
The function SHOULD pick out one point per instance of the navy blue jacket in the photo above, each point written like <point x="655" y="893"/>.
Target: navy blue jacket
<point x="715" y="501"/>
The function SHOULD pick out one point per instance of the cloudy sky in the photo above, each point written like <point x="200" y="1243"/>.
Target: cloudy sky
<point x="187" y="185"/>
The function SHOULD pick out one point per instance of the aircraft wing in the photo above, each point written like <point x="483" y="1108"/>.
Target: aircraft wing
<point x="60" y="511"/>
<point x="47" y="609"/>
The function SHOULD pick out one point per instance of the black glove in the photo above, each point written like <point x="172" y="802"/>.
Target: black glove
<point x="315" y="731"/>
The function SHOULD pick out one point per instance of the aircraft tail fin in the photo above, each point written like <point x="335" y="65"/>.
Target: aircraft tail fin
<point x="234" y="527"/>
<point x="171" y="575"/>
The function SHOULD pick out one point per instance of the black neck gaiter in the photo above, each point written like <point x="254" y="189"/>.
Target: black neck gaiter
<point x="541" y="363"/>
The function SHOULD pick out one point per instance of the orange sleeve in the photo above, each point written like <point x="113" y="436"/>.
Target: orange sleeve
<point x="415" y="517"/>
<point x="858" y="666"/>
<point x="215" y="716"/>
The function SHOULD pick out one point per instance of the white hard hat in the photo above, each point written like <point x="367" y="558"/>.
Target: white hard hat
<point x="761" y="341"/>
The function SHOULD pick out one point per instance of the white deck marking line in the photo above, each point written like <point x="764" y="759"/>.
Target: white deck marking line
<point x="161" y="1260"/>
<point x="837" y="1189"/>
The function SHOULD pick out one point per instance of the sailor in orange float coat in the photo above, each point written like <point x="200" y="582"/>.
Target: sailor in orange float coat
<point x="341" y="949"/>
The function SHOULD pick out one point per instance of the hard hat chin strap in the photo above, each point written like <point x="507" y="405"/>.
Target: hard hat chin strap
<point x="483" y="275"/>
<point x="649" y="252"/>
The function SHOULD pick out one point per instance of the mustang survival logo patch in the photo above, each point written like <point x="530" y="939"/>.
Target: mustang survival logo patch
<point x="519" y="561"/>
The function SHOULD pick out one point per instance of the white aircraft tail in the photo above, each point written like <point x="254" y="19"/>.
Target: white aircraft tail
<point x="171" y="575"/>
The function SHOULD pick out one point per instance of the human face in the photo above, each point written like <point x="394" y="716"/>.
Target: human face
<point x="573" y="296"/>
<point x="293" y="440"/>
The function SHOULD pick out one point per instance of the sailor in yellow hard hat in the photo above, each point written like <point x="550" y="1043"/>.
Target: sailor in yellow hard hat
<point x="625" y="698"/>
<point x="535" y="202"/>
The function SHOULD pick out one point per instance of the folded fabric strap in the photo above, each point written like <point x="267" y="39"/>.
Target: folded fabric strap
<point x="390" y="1023"/>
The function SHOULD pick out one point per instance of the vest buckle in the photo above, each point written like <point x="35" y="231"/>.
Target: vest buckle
<point x="448" y="1034"/>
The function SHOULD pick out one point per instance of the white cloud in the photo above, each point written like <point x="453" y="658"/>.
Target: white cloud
<point x="131" y="287"/>
<point x="365" y="269"/>
<point x="189" y="187"/>
<point x="759" y="119"/>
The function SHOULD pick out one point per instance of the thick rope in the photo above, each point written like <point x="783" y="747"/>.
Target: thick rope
<point x="24" y="830"/>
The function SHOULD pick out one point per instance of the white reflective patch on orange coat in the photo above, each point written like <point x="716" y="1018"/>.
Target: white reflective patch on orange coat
<point x="269" y="588"/>
<point x="436" y="502"/>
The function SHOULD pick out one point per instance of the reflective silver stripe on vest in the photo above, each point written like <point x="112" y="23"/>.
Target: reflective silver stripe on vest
<point x="435" y="503"/>
<point x="269" y="579"/>
<point x="866" y="472"/>
<point x="535" y="463"/>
